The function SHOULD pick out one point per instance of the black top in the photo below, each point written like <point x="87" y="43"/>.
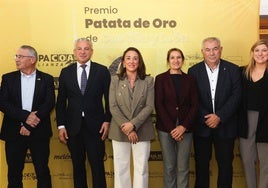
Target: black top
<point x="176" y="78"/>
<point x="254" y="94"/>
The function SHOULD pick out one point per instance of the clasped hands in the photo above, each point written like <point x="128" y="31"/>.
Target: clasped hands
<point x="32" y="120"/>
<point x="129" y="129"/>
<point x="212" y="120"/>
<point x="177" y="133"/>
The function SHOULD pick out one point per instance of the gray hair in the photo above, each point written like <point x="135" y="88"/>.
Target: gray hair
<point x="31" y="50"/>
<point x="83" y="39"/>
<point x="211" y="39"/>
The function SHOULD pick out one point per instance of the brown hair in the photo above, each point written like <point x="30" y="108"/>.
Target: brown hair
<point x="141" y="68"/>
<point x="172" y="50"/>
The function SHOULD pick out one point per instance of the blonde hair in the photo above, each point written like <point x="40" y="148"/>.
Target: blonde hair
<point x="251" y="65"/>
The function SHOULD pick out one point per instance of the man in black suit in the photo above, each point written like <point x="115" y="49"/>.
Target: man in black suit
<point x="82" y="119"/>
<point x="27" y="97"/>
<point x="219" y="94"/>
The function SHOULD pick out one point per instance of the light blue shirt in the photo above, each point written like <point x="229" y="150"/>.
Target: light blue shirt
<point x="27" y="90"/>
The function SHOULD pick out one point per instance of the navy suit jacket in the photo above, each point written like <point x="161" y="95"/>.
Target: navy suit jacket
<point x="11" y="105"/>
<point x="168" y="108"/>
<point x="227" y="99"/>
<point x="71" y="103"/>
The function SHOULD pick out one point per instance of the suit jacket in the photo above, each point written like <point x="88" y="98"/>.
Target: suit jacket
<point x="138" y="110"/>
<point x="71" y="103"/>
<point x="262" y="128"/>
<point x="11" y="105"/>
<point x="227" y="99"/>
<point x="168" y="108"/>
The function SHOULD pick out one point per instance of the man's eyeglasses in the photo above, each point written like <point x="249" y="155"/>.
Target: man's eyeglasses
<point x="21" y="56"/>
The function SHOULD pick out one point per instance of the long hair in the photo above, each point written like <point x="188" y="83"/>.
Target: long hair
<point x="141" y="68"/>
<point x="252" y="62"/>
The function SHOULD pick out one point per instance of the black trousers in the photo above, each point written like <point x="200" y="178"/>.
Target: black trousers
<point x="224" y="156"/>
<point x="15" y="156"/>
<point x="90" y="145"/>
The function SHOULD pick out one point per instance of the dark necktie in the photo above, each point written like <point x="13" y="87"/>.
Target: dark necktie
<point x="83" y="79"/>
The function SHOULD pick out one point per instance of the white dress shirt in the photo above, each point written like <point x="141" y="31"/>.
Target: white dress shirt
<point x="27" y="90"/>
<point x="213" y="78"/>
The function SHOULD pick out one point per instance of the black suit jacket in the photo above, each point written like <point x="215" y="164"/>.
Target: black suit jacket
<point x="262" y="128"/>
<point x="168" y="108"/>
<point x="227" y="99"/>
<point x="11" y="105"/>
<point x="71" y="103"/>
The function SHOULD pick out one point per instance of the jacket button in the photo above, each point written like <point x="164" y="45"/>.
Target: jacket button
<point x="177" y="108"/>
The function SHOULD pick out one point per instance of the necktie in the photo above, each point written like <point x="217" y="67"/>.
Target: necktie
<point x="83" y="79"/>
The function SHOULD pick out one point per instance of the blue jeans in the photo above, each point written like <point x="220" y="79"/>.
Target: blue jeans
<point x="176" y="158"/>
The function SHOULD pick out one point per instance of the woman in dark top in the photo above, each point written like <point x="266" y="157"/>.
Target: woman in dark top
<point x="253" y="127"/>
<point x="176" y="103"/>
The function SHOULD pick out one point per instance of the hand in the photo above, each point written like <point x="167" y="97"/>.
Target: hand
<point x="32" y="119"/>
<point x="177" y="133"/>
<point x="212" y="120"/>
<point x="133" y="137"/>
<point x="24" y="131"/>
<point x="62" y="135"/>
<point x="127" y="128"/>
<point x="104" y="130"/>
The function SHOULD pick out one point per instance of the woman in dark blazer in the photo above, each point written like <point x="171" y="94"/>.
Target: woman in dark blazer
<point x="176" y="102"/>
<point x="253" y="127"/>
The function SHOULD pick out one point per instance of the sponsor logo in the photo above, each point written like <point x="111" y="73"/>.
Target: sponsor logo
<point x="65" y="156"/>
<point x="156" y="156"/>
<point x="109" y="174"/>
<point x="55" y="60"/>
<point x="29" y="176"/>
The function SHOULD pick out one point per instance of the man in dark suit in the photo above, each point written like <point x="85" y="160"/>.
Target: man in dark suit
<point x="219" y="88"/>
<point x="82" y="121"/>
<point x="27" y="98"/>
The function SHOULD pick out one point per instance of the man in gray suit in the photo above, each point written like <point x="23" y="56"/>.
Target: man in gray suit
<point x="219" y="88"/>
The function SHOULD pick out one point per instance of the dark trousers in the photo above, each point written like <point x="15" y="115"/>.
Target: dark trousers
<point x="224" y="156"/>
<point x="15" y="156"/>
<point x="90" y="145"/>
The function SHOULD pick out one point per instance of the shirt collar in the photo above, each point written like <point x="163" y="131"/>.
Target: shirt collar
<point x="212" y="70"/>
<point x="28" y="75"/>
<point x="79" y="64"/>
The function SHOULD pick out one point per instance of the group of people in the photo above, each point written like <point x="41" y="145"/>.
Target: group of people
<point x="209" y="106"/>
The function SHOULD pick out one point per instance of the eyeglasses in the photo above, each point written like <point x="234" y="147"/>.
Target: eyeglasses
<point x="21" y="56"/>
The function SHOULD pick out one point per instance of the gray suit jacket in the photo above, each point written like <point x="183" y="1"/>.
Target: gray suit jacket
<point x="137" y="111"/>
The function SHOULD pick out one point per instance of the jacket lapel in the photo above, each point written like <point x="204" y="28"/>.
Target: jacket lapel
<point x="91" y="76"/>
<point x="220" y="81"/>
<point x="17" y="85"/>
<point x="123" y="88"/>
<point x="138" y="93"/>
<point x="38" y="81"/>
<point x="183" y="90"/>
<point x="74" y="79"/>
